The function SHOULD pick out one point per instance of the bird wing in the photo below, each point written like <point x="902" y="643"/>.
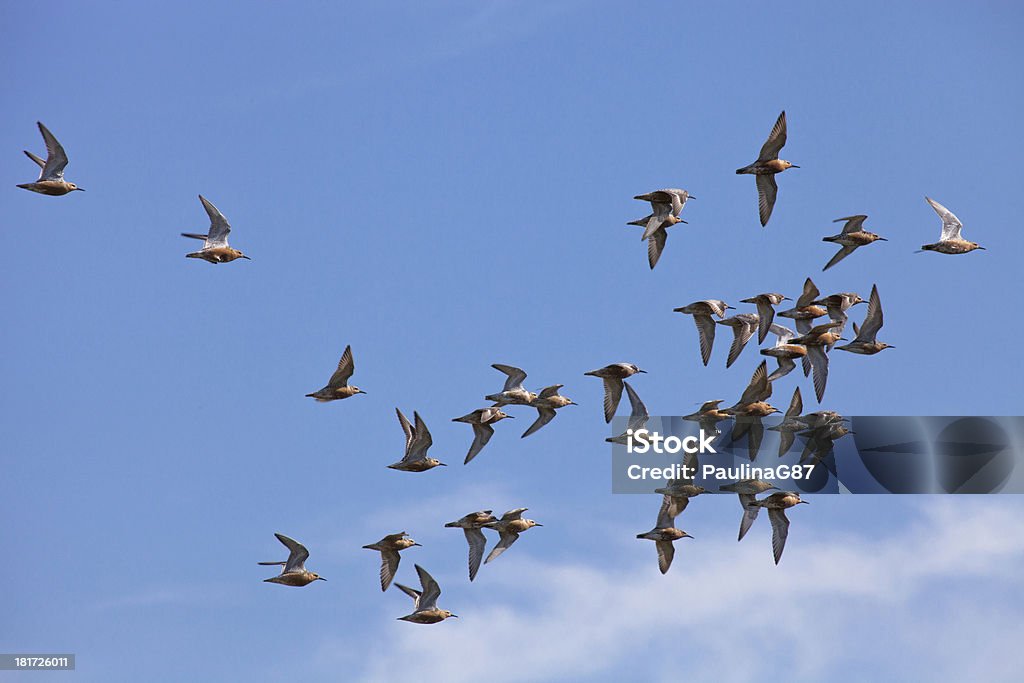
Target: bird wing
<point x="776" y="140"/>
<point x="786" y="366"/>
<point x="412" y="593"/>
<point x="56" y="159"/>
<point x="809" y="294"/>
<point x="796" y="404"/>
<point x="482" y="433"/>
<point x="786" y="439"/>
<point x="780" y="531"/>
<point x="421" y="439"/>
<point x="346" y="366"/>
<point x="759" y="384"/>
<point x="950" y="223"/>
<point x="765" y="316"/>
<point x="39" y="162"/>
<point x="656" y="245"/>
<point x="749" y="513"/>
<point x="297" y="554"/>
<point x="666" y="551"/>
<point x="661" y="212"/>
<point x="853" y="223"/>
<point x="431" y="591"/>
<point x="516" y="377"/>
<point x="513" y="514"/>
<point x="741" y="335"/>
<point x="840" y="255"/>
<point x="782" y="332"/>
<point x="872" y="319"/>
<point x="767" y="190"/>
<point x="638" y="415"/>
<point x="476" y="540"/>
<point x="670" y="509"/>
<point x="819" y="364"/>
<point x="505" y="541"/>
<point x="544" y="415"/>
<point x="612" y="396"/>
<point x="548" y="392"/>
<point x="389" y="560"/>
<point x="406" y="428"/>
<point x="217" y="236"/>
<point x="706" y="332"/>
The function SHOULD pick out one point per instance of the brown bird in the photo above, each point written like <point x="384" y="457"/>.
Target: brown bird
<point x="816" y="340"/>
<point x="665" y="532"/>
<point x="337" y="386"/>
<point x="702" y="312"/>
<point x="425" y="610"/>
<point x="471" y="526"/>
<point x="765" y="311"/>
<point x="51" y="175"/>
<point x="777" y="503"/>
<point x="613" y="375"/>
<point x="865" y="342"/>
<point x="294" y="572"/>
<point x="950" y="241"/>
<point x="215" y="246"/>
<point x="389" y="547"/>
<point x="853" y="235"/>
<point x="767" y="165"/>
<point x="481" y="420"/>
<point x="753" y="402"/>
<point x="513" y="393"/>
<point x="743" y="326"/>
<point x="417" y="442"/>
<point x="546" y="404"/>
<point x="784" y="352"/>
<point x="508" y="527"/>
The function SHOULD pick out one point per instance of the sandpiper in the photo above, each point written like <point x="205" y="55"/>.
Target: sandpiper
<point x="743" y="326"/>
<point x="950" y="241"/>
<point x="613" y="375"/>
<point x="546" y="403"/>
<point x="748" y="486"/>
<point x="821" y="440"/>
<point x="294" y="572"/>
<point x="805" y="310"/>
<point x="753" y="401"/>
<point x="791" y="423"/>
<point x="471" y="525"/>
<point x="852" y="235"/>
<point x="337" y="386"/>
<point x="417" y="443"/>
<point x="702" y="312"/>
<point x="767" y="165"/>
<point x="765" y="311"/>
<point x="656" y="242"/>
<point x="513" y="394"/>
<point x="708" y="416"/>
<point x="215" y="242"/>
<point x="865" y="342"/>
<point x="425" y="610"/>
<point x="665" y="531"/>
<point x="776" y="504"/>
<point x="666" y="205"/>
<point x="784" y="352"/>
<point x="836" y="306"/>
<point x="51" y="175"/>
<point x="816" y="340"/>
<point x="681" y="490"/>
<point x="638" y="417"/>
<point x="481" y="419"/>
<point x="389" y="547"/>
<point x="508" y="527"/>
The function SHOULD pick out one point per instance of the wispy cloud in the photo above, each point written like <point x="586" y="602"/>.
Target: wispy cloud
<point x="838" y="602"/>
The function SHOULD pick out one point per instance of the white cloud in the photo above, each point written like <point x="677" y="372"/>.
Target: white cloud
<point x="865" y="603"/>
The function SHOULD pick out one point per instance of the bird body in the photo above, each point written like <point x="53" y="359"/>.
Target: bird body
<point x="51" y="170"/>
<point x="769" y="164"/>
<point x="471" y="526"/>
<point x="389" y="547"/>
<point x="417" y="442"/>
<point x="613" y="375"/>
<point x="425" y="609"/>
<point x="337" y="387"/>
<point x="508" y="527"/>
<point x="215" y="242"/>
<point x="294" y="572"/>
<point x="950" y="241"/>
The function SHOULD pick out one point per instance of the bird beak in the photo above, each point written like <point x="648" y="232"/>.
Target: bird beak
<point x="689" y="197"/>
<point x="320" y="578"/>
<point x="455" y="616"/>
<point x="246" y="257"/>
<point x="80" y="189"/>
<point x="360" y="392"/>
<point x="786" y="298"/>
<point x="882" y="239"/>
<point x="732" y="307"/>
<point x="793" y="166"/>
<point x="511" y="417"/>
<point x="687" y="222"/>
<point x="573" y="403"/>
<point x="643" y="371"/>
<point x="441" y="464"/>
<point x="983" y="248"/>
<point x="538" y="525"/>
<point x="419" y="544"/>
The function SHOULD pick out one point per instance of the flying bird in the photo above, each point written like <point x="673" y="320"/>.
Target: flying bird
<point x="215" y="242"/>
<point x="546" y="404"/>
<point x="481" y="420"/>
<point x="508" y="527"/>
<point x="853" y="235"/>
<point x="417" y="442"/>
<point x="865" y="343"/>
<point x="767" y="165"/>
<point x="638" y="416"/>
<point x="743" y="327"/>
<point x="51" y="174"/>
<point x="702" y="312"/>
<point x="776" y="504"/>
<point x="513" y="392"/>
<point x="613" y="375"/>
<point x="765" y="311"/>
<point x="471" y="526"/>
<point x="950" y="241"/>
<point x="294" y="572"/>
<point x="665" y="532"/>
<point x="337" y="386"/>
<point x="425" y="610"/>
<point x="389" y="547"/>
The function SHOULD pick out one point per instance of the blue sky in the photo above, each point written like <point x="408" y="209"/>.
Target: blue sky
<point x="444" y="187"/>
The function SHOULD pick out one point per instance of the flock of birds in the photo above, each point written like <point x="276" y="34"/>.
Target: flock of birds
<point x="811" y="346"/>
